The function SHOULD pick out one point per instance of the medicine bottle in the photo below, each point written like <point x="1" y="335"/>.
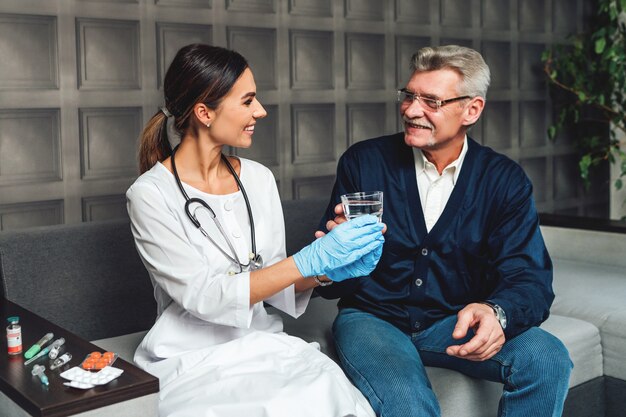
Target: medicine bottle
<point x="14" y="336"/>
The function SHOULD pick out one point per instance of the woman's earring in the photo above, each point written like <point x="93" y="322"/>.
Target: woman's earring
<point x="208" y="124"/>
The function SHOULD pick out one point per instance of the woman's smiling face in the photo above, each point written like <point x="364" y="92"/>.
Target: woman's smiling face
<point x="236" y="116"/>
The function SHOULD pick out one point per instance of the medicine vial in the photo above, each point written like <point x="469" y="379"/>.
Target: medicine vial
<point x="14" y="336"/>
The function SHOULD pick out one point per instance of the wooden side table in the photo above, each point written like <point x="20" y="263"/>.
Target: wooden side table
<point x="22" y="394"/>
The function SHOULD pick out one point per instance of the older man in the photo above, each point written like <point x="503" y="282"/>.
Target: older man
<point x="465" y="278"/>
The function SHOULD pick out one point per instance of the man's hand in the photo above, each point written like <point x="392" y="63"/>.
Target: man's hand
<point x="330" y="225"/>
<point x="488" y="334"/>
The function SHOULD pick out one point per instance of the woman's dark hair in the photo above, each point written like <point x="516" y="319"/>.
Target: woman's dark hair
<point x="198" y="74"/>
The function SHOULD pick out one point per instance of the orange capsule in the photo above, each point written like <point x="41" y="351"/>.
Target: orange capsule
<point x="95" y="355"/>
<point x="88" y="364"/>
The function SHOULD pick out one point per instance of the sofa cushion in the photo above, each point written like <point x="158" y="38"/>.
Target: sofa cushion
<point x="595" y="293"/>
<point x="588" y="291"/>
<point x="460" y="395"/>
<point x="301" y="220"/>
<point x="614" y="344"/>
<point x="582" y="340"/>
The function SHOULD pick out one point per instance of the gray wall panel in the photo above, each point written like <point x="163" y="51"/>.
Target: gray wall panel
<point x="454" y="13"/>
<point x="365" y="120"/>
<point x="184" y="3"/>
<point x="531" y="77"/>
<point x="173" y="36"/>
<point x="406" y="46"/>
<point x="311" y="55"/>
<point x="532" y="15"/>
<point x="29" y="146"/>
<point x="364" y="9"/>
<point x="31" y="214"/>
<point x="564" y="16"/>
<point x="533" y="124"/>
<point x="412" y="11"/>
<point x="565" y="168"/>
<point x="113" y="1"/>
<point x="314" y="187"/>
<point x="313" y="132"/>
<point x="255" y="6"/>
<point x="497" y="125"/>
<point x="311" y="7"/>
<point x="259" y="48"/>
<point x="28" y="47"/>
<point x="498" y="54"/>
<point x="495" y="14"/>
<point x="106" y="207"/>
<point x="364" y="68"/>
<point x="109" y="141"/>
<point x="108" y="53"/>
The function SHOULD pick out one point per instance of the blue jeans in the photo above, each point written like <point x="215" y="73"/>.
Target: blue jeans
<point x="387" y="365"/>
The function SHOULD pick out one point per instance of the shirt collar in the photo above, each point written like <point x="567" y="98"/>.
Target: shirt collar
<point x="421" y="161"/>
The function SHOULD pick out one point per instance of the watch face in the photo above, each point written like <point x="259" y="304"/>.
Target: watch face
<point x="501" y="315"/>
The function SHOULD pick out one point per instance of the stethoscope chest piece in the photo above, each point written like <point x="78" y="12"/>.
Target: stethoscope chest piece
<point x="256" y="262"/>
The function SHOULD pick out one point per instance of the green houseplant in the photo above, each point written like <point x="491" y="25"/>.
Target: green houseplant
<point x="588" y="79"/>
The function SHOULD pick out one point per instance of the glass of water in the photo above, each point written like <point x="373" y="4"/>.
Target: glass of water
<point x="358" y="204"/>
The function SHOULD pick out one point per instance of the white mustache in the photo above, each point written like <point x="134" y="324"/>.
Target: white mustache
<point x="418" y="122"/>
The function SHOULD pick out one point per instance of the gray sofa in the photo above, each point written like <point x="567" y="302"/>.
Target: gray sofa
<point x="88" y="279"/>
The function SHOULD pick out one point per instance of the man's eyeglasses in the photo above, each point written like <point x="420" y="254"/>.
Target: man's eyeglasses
<point x="406" y="96"/>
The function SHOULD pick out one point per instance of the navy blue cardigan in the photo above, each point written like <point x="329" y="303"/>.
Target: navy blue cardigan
<point x="486" y="246"/>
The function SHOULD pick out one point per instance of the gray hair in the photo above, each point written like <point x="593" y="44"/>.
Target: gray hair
<point x="467" y="62"/>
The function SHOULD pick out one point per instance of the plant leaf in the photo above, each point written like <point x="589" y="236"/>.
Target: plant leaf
<point x="584" y="164"/>
<point x="600" y="45"/>
<point x="552" y="132"/>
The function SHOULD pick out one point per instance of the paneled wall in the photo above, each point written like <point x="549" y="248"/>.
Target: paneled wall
<point x="78" y="78"/>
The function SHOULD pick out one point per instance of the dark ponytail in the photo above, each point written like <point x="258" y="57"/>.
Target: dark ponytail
<point x="198" y="74"/>
<point x="154" y="145"/>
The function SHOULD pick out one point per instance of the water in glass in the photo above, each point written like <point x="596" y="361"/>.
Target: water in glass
<point x="356" y="208"/>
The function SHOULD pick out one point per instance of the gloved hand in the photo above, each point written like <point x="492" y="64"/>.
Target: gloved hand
<point x="359" y="268"/>
<point x="343" y="245"/>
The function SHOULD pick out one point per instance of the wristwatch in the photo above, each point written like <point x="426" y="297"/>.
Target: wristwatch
<point x="499" y="312"/>
<point x="320" y="282"/>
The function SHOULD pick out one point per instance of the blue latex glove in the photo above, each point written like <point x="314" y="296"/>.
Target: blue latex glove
<point x="343" y="245"/>
<point x="359" y="268"/>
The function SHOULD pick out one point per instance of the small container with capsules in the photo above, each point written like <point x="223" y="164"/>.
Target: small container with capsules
<point x="96" y="361"/>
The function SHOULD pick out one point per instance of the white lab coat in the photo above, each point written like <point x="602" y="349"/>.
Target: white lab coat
<point x="214" y="354"/>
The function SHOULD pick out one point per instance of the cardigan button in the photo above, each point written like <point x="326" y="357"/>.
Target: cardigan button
<point x="419" y="282"/>
<point x="417" y="325"/>
<point x="424" y="251"/>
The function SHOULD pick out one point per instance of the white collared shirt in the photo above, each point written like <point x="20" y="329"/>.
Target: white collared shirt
<point x="435" y="189"/>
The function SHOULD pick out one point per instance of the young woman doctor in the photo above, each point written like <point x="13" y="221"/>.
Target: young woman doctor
<point x="210" y="232"/>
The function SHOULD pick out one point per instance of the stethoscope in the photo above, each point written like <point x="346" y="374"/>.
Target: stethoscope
<point x="256" y="261"/>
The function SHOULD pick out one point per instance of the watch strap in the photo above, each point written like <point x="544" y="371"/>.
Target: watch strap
<point x="321" y="283"/>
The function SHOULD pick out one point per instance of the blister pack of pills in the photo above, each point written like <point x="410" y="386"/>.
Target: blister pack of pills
<point x="96" y="360"/>
<point x="82" y="379"/>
